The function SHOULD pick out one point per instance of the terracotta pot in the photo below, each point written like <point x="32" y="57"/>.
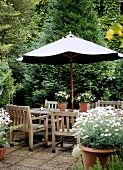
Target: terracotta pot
<point x="90" y="156"/>
<point x="83" y="107"/>
<point x="62" y="106"/>
<point x="2" y="153"/>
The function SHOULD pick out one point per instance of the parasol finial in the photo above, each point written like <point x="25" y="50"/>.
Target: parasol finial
<point x="69" y="35"/>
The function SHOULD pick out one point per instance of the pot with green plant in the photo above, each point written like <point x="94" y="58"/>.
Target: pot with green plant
<point x="100" y="132"/>
<point x="61" y="97"/>
<point x="84" y="100"/>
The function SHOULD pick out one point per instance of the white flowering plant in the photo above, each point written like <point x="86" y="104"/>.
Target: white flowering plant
<point x="61" y="96"/>
<point x="86" y="97"/>
<point x="5" y="127"/>
<point x="100" y="128"/>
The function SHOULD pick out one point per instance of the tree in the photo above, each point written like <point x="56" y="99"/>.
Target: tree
<point x="109" y="13"/>
<point x="77" y="16"/>
<point x="8" y="15"/>
<point x="7" y="84"/>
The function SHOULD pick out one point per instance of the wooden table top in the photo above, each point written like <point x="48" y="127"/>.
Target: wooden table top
<point x="39" y="111"/>
<point x="44" y="111"/>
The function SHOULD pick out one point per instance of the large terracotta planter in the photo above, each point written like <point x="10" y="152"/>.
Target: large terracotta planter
<point x="62" y="106"/>
<point x="83" y="107"/>
<point x="2" y="153"/>
<point x="90" y="156"/>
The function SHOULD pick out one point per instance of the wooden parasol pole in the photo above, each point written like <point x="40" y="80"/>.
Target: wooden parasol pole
<point x="71" y="76"/>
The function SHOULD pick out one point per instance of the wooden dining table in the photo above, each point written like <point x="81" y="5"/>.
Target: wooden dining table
<point x="45" y="111"/>
<point x="39" y="112"/>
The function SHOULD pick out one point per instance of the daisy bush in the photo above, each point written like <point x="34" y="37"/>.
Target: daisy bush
<point x="4" y="127"/>
<point x="100" y="128"/>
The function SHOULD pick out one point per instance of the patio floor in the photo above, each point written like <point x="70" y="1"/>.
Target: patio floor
<point x="19" y="157"/>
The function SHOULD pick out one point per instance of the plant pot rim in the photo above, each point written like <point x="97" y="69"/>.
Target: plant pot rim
<point x="63" y="103"/>
<point x="83" y="102"/>
<point x="94" y="150"/>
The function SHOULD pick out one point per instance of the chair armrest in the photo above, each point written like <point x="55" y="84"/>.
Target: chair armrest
<point x="40" y="117"/>
<point x="35" y="118"/>
<point x="44" y="116"/>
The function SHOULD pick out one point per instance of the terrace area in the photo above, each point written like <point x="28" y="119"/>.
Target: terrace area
<point x="18" y="157"/>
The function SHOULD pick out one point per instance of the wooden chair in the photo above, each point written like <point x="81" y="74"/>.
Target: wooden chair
<point x="51" y="104"/>
<point x="115" y="104"/>
<point x="121" y="105"/>
<point x="62" y="127"/>
<point x="92" y="105"/>
<point x="20" y="115"/>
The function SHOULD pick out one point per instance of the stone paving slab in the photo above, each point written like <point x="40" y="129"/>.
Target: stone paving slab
<point x="20" y="158"/>
<point x="56" y="165"/>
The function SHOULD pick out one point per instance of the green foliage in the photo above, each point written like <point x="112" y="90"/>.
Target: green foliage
<point x="97" y="166"/>
<point x="78" y="165"/>
<point x="18" y="29"/>
<point x="41" y="11"/>
<point x="28" y="24"/>
<point x="21" y="20"/>
<point x="7" y="85"/>
<point x="8" y="17"/>
<point x="64" y="16"/>
<point x="114" y="163"/>
<point x="103" y="79"/>
<point x="109" y="13"/>
<point x="38" y="87"/>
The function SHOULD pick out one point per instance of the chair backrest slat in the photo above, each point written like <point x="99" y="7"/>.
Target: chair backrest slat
<point x="65" y="121"/>
<point x="51" y="104"/>
<point x="68" y="123"/>
<point x="62" y="123"/>
<point x="20" y="115"/>
<point x="58" y="123"/>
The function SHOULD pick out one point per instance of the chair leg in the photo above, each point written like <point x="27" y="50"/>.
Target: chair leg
<point x="46" y="136"/>
<point x="30" y="141"/>
<point x="53" y="144"/>
<point x="77" y="141"/>
<point x="26" y="137"/>
<point x="61" y="141"/>
<point x="11" y="138"/>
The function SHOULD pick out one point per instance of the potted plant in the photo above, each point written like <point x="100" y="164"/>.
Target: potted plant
<point x="4" y="130"/>
<point x="84" y="100"/>
<point x="100" y="132"/>
<point x="61" y="97"/>
<point x="4" y="127"/>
